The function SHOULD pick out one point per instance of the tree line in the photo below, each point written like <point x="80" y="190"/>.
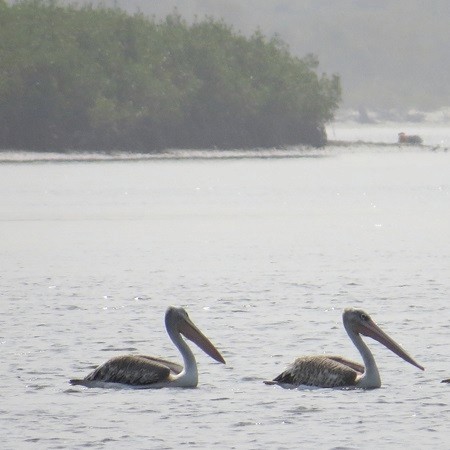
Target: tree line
<point x="97" y="78"/>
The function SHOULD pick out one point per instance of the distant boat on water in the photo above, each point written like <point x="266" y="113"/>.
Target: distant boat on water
<point x="403" y="138"/>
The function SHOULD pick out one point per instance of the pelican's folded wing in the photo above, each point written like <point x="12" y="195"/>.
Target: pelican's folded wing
<point x="173" y="366"/>
<point x="319" y="371"/>
<point x="347" y="362"/>
<point x="133" y="370"/>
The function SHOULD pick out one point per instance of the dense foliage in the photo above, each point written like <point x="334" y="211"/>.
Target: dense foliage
<point x="97" y="78"/>
<point x="391" y="56"/>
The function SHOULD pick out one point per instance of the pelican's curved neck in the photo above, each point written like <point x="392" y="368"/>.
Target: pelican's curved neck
<point x="371" y="376"/>
<point x="188" y="377"/>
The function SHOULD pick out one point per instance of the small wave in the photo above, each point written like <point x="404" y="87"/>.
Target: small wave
<point x="119" y="349"/>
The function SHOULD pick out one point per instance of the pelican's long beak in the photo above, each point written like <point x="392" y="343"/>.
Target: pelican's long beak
<point x="371" y="329"/>
<point x="188" y="329"/>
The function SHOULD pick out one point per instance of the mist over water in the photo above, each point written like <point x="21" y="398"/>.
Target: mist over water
<point x="264" y="253"/>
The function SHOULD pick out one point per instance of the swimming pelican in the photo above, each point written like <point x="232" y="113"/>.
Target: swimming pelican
<point x="145" y="372"/>
<point x="335" y="371"/>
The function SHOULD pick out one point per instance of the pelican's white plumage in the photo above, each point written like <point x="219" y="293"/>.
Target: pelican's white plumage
<point x="334" y="371"/>
<point x="146" y="372"/>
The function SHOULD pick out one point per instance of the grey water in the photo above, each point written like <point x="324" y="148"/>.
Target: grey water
<point x="264" y="253"/>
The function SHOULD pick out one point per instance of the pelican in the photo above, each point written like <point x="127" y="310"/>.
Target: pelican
<point x="334" y="371"/>
<point x="146" y="372"/>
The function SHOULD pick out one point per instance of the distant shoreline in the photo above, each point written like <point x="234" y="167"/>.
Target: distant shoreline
<point x="332" y="148"/>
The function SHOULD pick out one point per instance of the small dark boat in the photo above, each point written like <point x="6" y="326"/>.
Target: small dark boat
<point x="403" y="138"/>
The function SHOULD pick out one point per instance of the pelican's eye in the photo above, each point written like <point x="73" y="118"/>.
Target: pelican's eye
<point x="364" y="317"/>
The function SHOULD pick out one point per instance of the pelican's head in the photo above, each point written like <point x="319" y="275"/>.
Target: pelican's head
<point x="358" y="321"/>
<point x="177" y="319"/>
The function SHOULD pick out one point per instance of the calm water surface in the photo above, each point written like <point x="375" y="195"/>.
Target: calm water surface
<point x="264" y="254"/>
